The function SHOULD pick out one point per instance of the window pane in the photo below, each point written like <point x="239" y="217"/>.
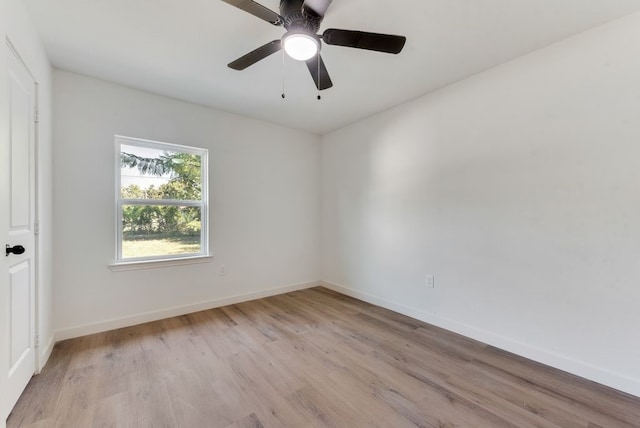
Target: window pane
<point x="147" y="173"/>
<point x="156" y="230"/>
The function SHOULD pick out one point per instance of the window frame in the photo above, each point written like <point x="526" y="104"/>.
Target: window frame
<point x="203" y="204"/>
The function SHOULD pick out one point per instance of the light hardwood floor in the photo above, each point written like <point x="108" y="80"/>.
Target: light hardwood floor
<point x="305" y="359"/>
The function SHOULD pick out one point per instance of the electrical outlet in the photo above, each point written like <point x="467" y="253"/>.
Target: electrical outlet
<point x="430" y="281"/>
<point x="222" y="271"/>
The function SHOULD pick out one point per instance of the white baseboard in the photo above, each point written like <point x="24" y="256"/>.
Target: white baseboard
<point x="549" y="358"/>
<point x="45" y="354"/>
<point x="100" y="327"/>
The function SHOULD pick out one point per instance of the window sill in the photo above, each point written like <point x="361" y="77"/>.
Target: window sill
<point x="153" y="264"/>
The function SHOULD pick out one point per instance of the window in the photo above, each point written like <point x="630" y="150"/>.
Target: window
<point x="161" y="209"/>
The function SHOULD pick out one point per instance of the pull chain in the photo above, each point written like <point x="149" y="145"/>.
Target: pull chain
<point x="319" y="84"/>
<point x="283" y="72"/>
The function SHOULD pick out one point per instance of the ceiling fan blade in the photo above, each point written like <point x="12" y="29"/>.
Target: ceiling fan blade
<point x="318" y="6"/>
<point x="362" y="40"/>
<point x="320" y="75"/>
<point x="256" y="9"/>
<point x="256" y="55"/>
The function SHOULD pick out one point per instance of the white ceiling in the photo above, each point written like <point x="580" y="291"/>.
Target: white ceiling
<point x="180" y="48"/>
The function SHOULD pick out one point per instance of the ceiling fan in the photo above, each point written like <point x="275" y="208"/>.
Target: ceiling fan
<point x="301" y="20"/>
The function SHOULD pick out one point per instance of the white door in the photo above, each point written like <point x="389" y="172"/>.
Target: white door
<point x="18" y="268"/>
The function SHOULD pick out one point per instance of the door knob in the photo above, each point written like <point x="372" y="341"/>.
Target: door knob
<point x="18" y="249"/>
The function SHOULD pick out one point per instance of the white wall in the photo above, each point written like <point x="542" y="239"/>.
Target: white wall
<point x="519" y="189"/>
<point x="16" y="26"/>
<point x="264" y="194"/>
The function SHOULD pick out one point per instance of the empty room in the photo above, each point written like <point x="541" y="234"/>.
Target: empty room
<point x="320" y="213"/>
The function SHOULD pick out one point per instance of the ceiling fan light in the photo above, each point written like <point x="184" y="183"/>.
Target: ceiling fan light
<point x="300" y="46"/>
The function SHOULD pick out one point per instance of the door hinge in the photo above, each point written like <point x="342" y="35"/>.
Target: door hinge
<point x="36" y="116"/>
<point x="36" y="340"/>
<point x="36" y="227"/>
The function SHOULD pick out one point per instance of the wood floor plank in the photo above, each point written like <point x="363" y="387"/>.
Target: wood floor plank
<point x="370" y="409"/>
<point x="569" y="397"/>
<point x="279" y="376"/>
<point x="310" y="358"/>
<point x="321" y="410"/>
<point x="527" y="400"/>
<point x="114" y="411"/>
<point x="251" y="421"/>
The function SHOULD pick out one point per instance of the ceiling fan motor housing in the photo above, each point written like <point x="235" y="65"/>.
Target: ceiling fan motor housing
<point x="297" y="16"/>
